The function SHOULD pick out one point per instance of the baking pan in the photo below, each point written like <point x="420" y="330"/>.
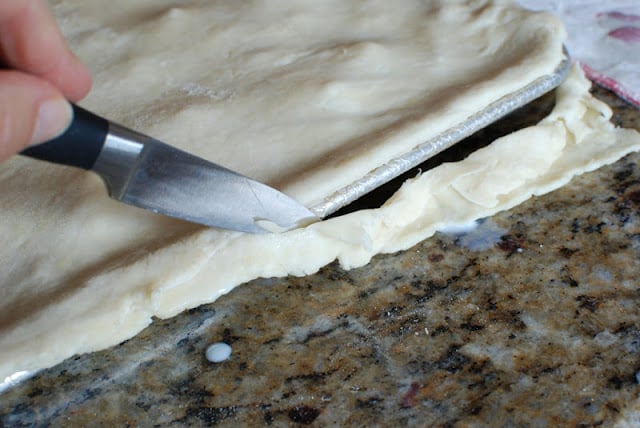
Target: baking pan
<point x="392" y="169"/>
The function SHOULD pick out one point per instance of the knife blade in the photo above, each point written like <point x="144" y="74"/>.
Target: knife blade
<point x="141" y="171"/>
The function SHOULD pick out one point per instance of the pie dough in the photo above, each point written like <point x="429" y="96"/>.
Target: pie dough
<point x="307" y="96"/>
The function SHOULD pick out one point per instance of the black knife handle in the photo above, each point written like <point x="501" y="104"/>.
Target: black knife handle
<point x="79" y="145"/>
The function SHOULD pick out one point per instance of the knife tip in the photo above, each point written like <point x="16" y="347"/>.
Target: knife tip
<point x="270" y="226"/>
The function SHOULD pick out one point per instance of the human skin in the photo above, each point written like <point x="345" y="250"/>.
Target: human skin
<point x="40" y="75"/>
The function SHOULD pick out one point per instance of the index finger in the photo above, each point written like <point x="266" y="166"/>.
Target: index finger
<point x="31" y="41"/>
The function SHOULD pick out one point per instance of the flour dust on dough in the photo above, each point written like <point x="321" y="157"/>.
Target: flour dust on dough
<point x="303" y="95"/>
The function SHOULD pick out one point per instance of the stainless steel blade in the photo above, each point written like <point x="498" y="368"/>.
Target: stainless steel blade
<point x="146" y="173"/>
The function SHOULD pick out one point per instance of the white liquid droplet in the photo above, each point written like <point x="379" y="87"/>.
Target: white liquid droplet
<point x="218" y="352"/>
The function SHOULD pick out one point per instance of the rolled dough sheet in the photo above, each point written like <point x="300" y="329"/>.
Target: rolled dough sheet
<point x="306" y="96"/>
<point x="250" y="79"/>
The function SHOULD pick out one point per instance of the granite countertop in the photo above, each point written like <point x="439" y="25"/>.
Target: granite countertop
<point x="531" y="319"/>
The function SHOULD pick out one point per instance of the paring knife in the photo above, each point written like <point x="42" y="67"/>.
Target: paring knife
<point x="141" y="171"/>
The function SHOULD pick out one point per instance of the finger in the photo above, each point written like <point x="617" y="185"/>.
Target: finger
<point x="31" y="111"/>
<point x="44" y="52"/>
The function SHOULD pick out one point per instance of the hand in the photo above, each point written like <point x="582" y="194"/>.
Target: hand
<point x="41" y="75"/>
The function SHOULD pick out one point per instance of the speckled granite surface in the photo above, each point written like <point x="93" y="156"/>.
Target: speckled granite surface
<point x="529" y="320"/>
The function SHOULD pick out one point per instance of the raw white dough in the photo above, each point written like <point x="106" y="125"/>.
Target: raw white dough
<point x="306" y="96"/>
<point x="305" y="100"/>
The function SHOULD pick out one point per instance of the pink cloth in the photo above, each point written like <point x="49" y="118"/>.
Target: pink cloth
<point x="604" y="37"/>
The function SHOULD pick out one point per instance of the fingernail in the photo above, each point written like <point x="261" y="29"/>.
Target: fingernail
<point x="54" y="116"/>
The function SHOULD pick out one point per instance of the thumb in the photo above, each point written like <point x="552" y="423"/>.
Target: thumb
<point x="32" y="111"/>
